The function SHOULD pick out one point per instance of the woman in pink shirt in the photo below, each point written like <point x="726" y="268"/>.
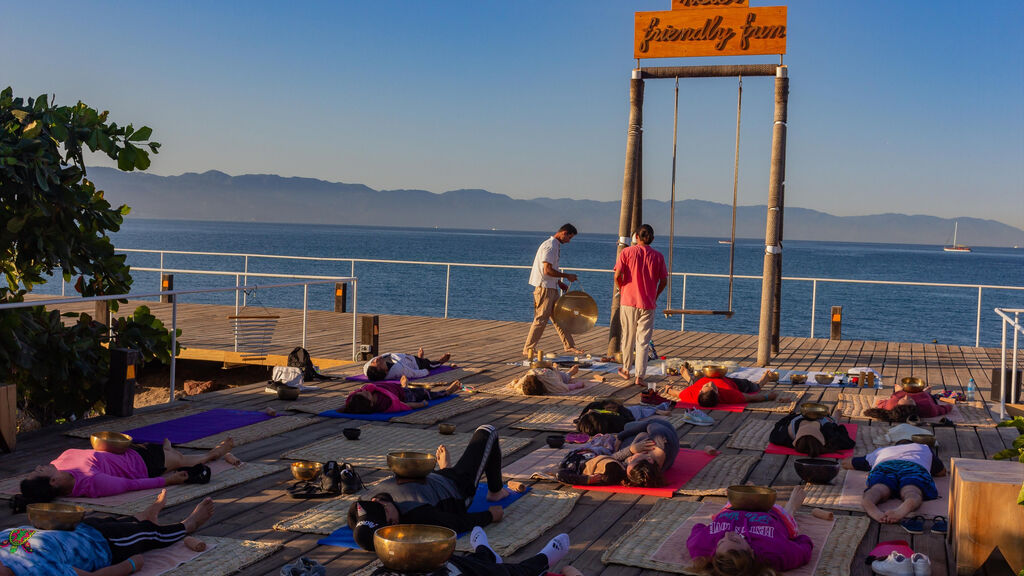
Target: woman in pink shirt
<point x="641" y="276"/>
<point x="393" y="397"/>
<point x="93" y="473"/>
<point x="739" y="542"/>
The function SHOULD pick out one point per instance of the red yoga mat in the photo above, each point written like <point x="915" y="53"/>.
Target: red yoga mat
<point x="724" y="407"/>
<point x="688" y="463"/>
<point x="851" y="429"/>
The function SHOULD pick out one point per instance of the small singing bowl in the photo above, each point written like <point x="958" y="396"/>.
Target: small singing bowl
<point x="538" y="364"/>
<point x="287" y="393"/>
<point x="113" y="442"/>
<point x="411" y="464"/>
<point x="926" y="439"/>
<point x="798" y="378"/>
<point x="54" y="516"/>
<point x="714" y="371"/>
<point x="414" y="547"/>
<point x="446" y="428"/>
<point x="816" y="470"/>
<point x="306" y="471"/>
<point x="556" y="441"/>
<point x="824" y="379"/>
<point x="773" y="376"/>
<point x="752" y="498"/>
<point x="351" y="433"/>
<point x="813" y="410"/>
<point x="913" y="384"/>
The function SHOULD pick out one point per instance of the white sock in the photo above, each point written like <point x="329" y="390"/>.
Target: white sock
<point x="477" y="538"/>
<point x="556" y="549"/>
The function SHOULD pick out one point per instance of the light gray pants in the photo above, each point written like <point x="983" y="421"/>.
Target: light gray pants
<point x="637" y="330"/>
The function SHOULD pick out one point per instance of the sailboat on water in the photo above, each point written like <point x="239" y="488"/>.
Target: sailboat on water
<point x="956" y="247"/>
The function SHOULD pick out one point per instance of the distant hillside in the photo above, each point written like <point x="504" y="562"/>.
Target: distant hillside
<point x="268" y="198"/>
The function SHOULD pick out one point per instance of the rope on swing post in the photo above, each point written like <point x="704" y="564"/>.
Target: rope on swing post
<point x="735" y="188"/>
<point x="672" y="201"/>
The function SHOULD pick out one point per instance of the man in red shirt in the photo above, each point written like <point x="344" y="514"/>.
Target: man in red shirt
<point x="641" y="276"/>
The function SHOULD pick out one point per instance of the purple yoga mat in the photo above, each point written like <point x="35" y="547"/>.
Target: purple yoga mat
<point x="438" y="370"/>
<point x="196" y="426"/>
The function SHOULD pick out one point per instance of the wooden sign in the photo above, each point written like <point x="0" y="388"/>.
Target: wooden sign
<point x="709" y="32"/>
<point x="685" y="4"/>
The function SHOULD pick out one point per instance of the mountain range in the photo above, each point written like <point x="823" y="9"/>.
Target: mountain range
<point x="215" y="195"/>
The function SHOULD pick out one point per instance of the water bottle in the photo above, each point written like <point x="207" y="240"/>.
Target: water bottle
<point x="971" y="387"/>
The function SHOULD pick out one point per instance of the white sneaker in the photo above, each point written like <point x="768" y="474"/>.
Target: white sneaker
<point x="696" y="417"/>
<point x="705" y="416"/>
<point x="895" y="564"/>
<point x="922" y="564"/>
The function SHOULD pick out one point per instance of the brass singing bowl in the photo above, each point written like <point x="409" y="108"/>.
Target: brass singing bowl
<point x="445" y="428"/>
<point x="773" y="376"/>
<point x="113" y="442"/>
<point x="798" y="378"/>
<point x="575" y="312"/>
<point x="55" y="516"/>
<point x="813" y="410"/>
<point x="414" y="547"/>
<point x="714" y="370"/>
<point x="538" y="364"/>
<point x="926" y="439"/>
<point x="913" y="384"/>
<point x="306" y="471"/>
<point x="411" y="464"/>
<point x="824" y="379"/>
<point x="752" y="498"/>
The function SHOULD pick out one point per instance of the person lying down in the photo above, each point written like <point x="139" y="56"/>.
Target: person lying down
<point x="375" y="397"/>
<point x="547" y="381"/>
<point x="394" y="365"/>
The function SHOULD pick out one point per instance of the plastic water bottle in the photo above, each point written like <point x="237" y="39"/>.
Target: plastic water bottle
<point x="971" y="387"/>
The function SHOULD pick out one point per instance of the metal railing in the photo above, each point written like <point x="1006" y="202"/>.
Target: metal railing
<point x="308" y="281"/>
<point x="1014" y="323"/>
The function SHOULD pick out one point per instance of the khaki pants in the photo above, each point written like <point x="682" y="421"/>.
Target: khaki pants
<point x="637" y="330"/>
<point x="543" y="306"/>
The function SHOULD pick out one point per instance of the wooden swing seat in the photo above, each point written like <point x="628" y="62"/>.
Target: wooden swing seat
<point x="674" y="312"/>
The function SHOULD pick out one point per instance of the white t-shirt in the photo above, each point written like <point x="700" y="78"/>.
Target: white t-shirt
<point x="916" y="453"/>
<point x="547" y="252"/>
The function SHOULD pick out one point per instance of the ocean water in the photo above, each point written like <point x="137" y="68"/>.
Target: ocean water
<point x="871" y="312"/>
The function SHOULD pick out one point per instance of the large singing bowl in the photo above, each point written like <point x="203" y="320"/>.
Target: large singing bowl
<point x="575" y="312"/>
<point x="414" y="547"/>
<point x="411" y="464"/>
<point x="913" y="384"/>
<point x="113" y="442"/>
<point x="752" y="498"/>
<point x="55" y="516"/>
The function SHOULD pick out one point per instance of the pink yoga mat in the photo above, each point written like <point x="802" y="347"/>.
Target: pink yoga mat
<point x="156" y="562"/>
<point x="851" y="429"/>
<point x="688" y="463"/>
<point x="723" y="407"/>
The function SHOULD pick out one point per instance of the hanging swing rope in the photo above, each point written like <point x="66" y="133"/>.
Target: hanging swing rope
<point x="669" y="311"/>
<point x="672" y="201"/>
<point x="252" y="331"/>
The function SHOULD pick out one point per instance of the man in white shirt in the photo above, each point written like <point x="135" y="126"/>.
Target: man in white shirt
<point x="545" y="278"/>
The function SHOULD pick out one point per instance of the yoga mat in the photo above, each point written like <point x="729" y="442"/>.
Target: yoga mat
<point x="722" y="407"/>
<point x="687" y="465"/>
<point x="383" y="416"/>
<point x="327" y="515"/>
<point x="467" y="402"/>
<point x="156" y="562"/>
<point x="851" y="429"/>
<point x="137" y="420"/>
<point x="254" y="432"/>
<point x="343" y="536"/>
<point x="195" y="426"/>
<point x="845" y="492"/>
<point x="525" y="519"/>
<point x="433" y="371"/>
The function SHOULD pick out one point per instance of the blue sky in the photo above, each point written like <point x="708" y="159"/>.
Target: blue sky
<point x="906" y="106"/>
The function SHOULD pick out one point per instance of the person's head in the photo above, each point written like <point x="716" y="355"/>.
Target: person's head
<point x="360" y="402"/>
<point x="376" y="369"/>
<point x="46" y="484"/>
<point x="733" y="557"/>
<point x="532" y="386"/>
<point x="642" y="470"/>
<point x="566" y="233"/>
<point x="644" y="234"/>
<point x="708" y="396"/>
<point x="366" y="516"/>
<point x="809" y="438"/>
<point x="600" y="422"/>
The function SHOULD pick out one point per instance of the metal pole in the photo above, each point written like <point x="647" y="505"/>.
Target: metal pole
<point x="355" y="315"/>
<point x="977" y="323"/>
<point x="771" y="233"/>
<point x="629" y="176"/>
<point x="682" y="304"/>
<point x="160" y="279"/>
<point x="305" y="311"/>
<point x="1002" y="375"/>
<point x="814" y="301"/>
<point x="672" y="202"/>
<point x="447" y="285"/>
<point x="174" y="345"/>
<point x="1013" y="366"/>
<point x="245" y="297"/>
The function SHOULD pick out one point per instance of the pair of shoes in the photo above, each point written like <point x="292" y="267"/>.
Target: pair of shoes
<point x="939" y="525"/>
<point x="273" y="386"/>
<point x="350" y="480"/>
<point x="913" y="525"/>
<point x="198" y="474"/>
<point x="304" y="567"/>
<point x="897" y="564"/>
<point x="304" y="490"/>
<point x="652" y="397"/>
<point x="697" y="418"/>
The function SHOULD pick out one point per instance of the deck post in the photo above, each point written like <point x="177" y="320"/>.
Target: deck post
<point x="166" y="285"/>
<point x="340" y="296"/>
<point x="369" y="337"/>
<point x="772" y="231"/>
<point x="631" y="197"/>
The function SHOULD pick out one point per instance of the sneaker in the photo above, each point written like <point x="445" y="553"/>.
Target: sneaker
<point x="702" y="415"/>
<point x="304" y="567"/>
<point x="273" y="387"/>
<point x="696" y="418"/>
<point x="913" y="524"/>
<point x="922" y="564"/>
<point x="331" y="479"/>
<point x="895" y="564"/>
<point x="940" y="525"/>
<point x="350" y="480"/>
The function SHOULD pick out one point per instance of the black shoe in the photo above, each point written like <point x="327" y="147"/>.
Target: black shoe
<point x="273" y="387"/>
<point x="571" y="478"/>
<point x="350" y="480"/>
<point x="331" y="479"/>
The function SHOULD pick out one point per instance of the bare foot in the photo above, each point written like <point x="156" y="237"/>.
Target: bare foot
<point x="232" y="459"/>
<point x="442" y="456"/>
<point x="202" y="513"/>
<point x="684" y="372"/>
<point x="837" y="413"/>
<point x="711" y="451"/>
<point x="419" y="353"/>
<point x="576" y="351"/>
<point x="445" y="358"/>
<point x="574" y="370"/>
<point x="454" y="387"/>
<point x="194" y="544"/>
<point x="404" y="380"/>
<point x="872" y="510"/>
<point x="640" y="382"/>
<point x="270" y="412"/>
<point x="623" y="374"/>
<point x="223" y="448"/>
<point x="500" y="494"/>
<point x="153" y="510"/>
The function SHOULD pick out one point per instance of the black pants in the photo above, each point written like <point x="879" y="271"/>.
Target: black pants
<point x="481" y="563"/>
<point x="128" y="536"/>
<point x="422" y="363"/>
<point x="482" y="457"/>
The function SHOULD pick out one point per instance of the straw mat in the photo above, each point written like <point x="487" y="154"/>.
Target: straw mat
<point x="254" y="432"/>
<point x="752" y="435"/>
<point x="319" y="403"/>
<point x="325" y="517"/>
<point x="635" y="548"/>
<point x="526" y="519"/>
<point x="370" y="451"/>
<point x="137" y="420"/>
<point x="870" y="438"/>
<point x="600" y="390"/>
<point x="227" y="556"/>
<point x="785" y="403"/>
<point x="846" y="489"/>
<point x="559" y="419"/>
<point x="542" y="463"/>
<point x="963" y="414"/>
<point x="460" y="405"/>
<point x="723" y="471"/>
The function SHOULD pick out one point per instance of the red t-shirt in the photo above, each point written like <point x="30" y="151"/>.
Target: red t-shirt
<point x="728" y="392"/>
<point x="642" y="268"/>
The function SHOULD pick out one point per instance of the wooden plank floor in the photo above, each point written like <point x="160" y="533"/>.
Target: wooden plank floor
<point x="249" y="511"/>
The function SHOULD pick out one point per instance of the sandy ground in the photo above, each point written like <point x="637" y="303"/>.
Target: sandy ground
<point x="151" y="387"/>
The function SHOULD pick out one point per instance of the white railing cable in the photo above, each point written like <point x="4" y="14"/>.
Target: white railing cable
<point x="1004" y="314"/>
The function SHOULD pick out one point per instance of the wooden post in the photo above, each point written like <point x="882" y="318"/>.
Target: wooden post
<point x="369" y="337"/>
<point x="120" y="393"/>
<point x="836" y="333"/>
<point x="340" y="296"/>
<point x="167" y="283"/>
<point x="772" y="228"/>
<point x="101" y="312"/>
<point x="8" y="416"/>
<point x="629" y="189"/>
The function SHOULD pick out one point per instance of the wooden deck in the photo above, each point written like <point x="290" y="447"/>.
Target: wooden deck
<point x="249" y="511"/>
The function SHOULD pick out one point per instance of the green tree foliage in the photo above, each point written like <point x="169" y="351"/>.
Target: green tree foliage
<point x="53" y="220"/>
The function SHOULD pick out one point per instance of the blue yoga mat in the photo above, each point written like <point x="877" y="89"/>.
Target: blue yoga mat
<point x="384" y="416"/>
<point x="196" y="426"/>
<point x="343" y="536"/>
<point x="438" y="370"/>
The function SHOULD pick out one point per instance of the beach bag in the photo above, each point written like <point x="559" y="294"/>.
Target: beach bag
<point x="288" y="376"/>
<point x="299" y="358"/>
